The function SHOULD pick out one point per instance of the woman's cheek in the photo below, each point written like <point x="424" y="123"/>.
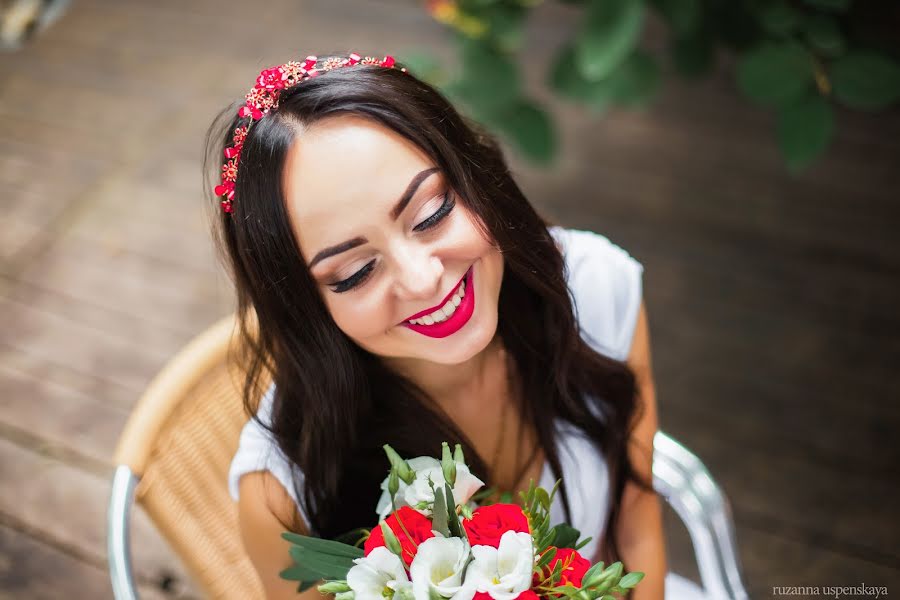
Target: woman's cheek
<point x="359" y="317"/>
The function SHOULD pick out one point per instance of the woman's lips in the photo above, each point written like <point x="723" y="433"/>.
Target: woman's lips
<point x="455" y="321"/>
<point x="428" y="311"/>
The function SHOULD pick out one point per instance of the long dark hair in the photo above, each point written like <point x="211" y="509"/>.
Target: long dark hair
<point x="336" y="404"/>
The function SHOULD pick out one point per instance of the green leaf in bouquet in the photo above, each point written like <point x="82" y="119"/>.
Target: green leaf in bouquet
<point x="439" y="514"/>
<point x="323" y="565"/>
<point x="448" y="465"/>
<point x="567" y="590"/>
<point x="615" y="571"/>
<point x="543" y="497"/>
<point x="540" y="523"/>
<point x="390" y="539"/>
<point x="547" y="557"/>
<point x="458" y="455"/>
<point x="482" y="494"/>
<point x="506" y="498"/>
<point x="334" y="587"/>
<point x="404" y="471"/>
<point x="593" y="575"/>
<point x="354" y="537"/>
<point x="556" y="573"/>
<point x="323" y="546"/>
<point x="453" y="525"/>
<point x="565" y="536"/>
<point x="393" y="484"/>
<point x="306" y="577"/>
<point x="582" y="543"/>
<point x="631" y="580"/>
<point x="545" y="540"/>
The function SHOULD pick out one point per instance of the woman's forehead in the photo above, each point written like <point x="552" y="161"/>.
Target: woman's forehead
<point x="345" y="172"/>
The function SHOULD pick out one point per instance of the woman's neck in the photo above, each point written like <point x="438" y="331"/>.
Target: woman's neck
<point x="463" y="386"/>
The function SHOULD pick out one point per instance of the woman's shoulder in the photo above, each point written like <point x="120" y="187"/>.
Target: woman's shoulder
<point x="258" y="451"/>
<point x="605" y="282"/>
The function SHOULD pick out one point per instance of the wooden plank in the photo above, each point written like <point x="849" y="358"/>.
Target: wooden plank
<point x="771" y="560"/>
<point x="67" y="507"/>
<point x="794" y="494"/>
<point x="57" y="342"/>
<point x="33" y="570"/>
<point x="40" y="186"/>
<point x="154" y="291"/>
<point x="58" y="416"/>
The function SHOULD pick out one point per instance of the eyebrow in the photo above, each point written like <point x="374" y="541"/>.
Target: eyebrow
<point x="395" y="213"/>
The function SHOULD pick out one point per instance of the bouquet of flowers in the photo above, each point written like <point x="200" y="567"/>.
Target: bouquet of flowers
<point x="435" y="542"/>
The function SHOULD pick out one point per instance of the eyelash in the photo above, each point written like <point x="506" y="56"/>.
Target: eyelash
<point x="360" y="276"/>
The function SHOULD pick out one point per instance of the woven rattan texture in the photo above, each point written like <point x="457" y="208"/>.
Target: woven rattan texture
<point x="184" y="488"/>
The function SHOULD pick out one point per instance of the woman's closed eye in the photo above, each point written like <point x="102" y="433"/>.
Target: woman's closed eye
<point x="362" y="275"/>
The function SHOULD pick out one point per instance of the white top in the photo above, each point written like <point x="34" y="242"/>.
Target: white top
<point x="605" y="284"/>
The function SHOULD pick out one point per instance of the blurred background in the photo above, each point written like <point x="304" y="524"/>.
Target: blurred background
<point x="757" y="184"/>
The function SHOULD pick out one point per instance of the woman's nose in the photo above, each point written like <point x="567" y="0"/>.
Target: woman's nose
<point x="418" y="276"/>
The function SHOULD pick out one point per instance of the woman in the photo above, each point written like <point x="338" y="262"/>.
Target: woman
<point x="397" y="287"/>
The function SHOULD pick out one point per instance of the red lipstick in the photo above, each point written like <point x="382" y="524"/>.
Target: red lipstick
<point x="455" y="321"/>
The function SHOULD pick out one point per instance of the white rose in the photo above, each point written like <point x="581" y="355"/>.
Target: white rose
<point x="503" y="572"/>
<point x="419" y="490"/>
<point x="379" y="572"/>
<point x="438" y="566"/>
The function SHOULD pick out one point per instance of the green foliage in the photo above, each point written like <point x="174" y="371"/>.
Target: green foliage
<point x="804" y="130"/>
<point x="823" y="35"/>
<point x="610" y="31"/>
<point x="866" y="80"/>
<point x="316" y="559"/>
<point x="776" y="73"/>
<point x="791" y="56"/>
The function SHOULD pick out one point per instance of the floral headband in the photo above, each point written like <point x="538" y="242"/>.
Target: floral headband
<point x="264" y="97"/>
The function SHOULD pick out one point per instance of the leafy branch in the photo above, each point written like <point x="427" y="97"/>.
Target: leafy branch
<point x="797" y="58"/>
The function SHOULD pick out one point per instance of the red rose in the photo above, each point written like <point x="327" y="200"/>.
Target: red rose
<point x="574" y="567"/>
<point x="489" y="523"/>
<point x="417" y="524"/>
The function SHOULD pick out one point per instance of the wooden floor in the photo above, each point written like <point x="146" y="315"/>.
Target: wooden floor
<point x="773" y="299"/>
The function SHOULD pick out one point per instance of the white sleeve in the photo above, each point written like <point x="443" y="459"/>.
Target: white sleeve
<point x="606" y="287"/>
<point x="258" y="451"/>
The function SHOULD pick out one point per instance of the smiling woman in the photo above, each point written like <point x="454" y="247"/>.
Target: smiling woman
<point x="398" y="288"/>
<point x="396" y="246"/>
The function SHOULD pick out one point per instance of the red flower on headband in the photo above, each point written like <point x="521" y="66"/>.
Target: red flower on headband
<point x="229" y="170"/>
<point x="263" y="97"/>
<point x="271" y="79"/>
<point x="240" y="134"/>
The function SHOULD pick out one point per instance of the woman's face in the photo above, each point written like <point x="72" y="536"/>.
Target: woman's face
<point x="387" y="240"/>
